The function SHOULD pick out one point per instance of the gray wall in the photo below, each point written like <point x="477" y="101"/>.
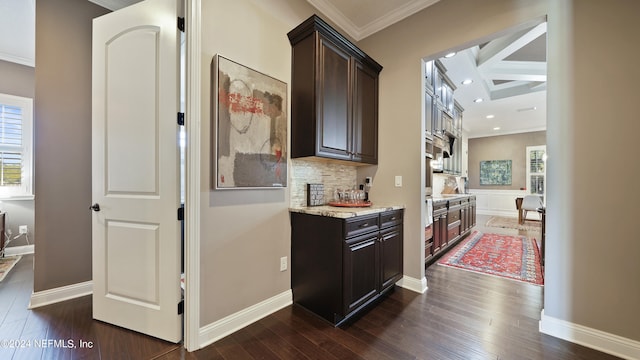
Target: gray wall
<point x="592" y="251"/>
<point x="243" y="232"/>
<point x="504" y="147"/>
<point x="62" y="152"/>
<point x="18" y="80"/>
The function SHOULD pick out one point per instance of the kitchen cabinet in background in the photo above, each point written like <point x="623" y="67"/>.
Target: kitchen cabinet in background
<point x="334" y="96"/>
<point x="453" y="219"/>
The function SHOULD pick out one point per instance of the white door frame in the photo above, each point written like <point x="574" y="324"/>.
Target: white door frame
<point x="193" y="31"/>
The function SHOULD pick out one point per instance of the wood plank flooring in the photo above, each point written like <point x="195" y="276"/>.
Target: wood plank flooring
<point x="463" y="315"/>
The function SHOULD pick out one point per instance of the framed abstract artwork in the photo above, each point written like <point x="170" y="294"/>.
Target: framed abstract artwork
<point x="495" y="172"/>
<point x="250" y="109"/>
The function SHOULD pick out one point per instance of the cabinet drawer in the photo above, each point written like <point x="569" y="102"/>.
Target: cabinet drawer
<point x="453" y="216"/>
<point x="453" y="233"/>
<point x="390" y="218"/>
<point x="438" y="205"/>
<point x="361" y="225"/>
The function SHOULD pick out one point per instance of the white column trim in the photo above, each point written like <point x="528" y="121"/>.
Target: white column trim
<point x="193" y="32"/>
<point x="413" y="284"/>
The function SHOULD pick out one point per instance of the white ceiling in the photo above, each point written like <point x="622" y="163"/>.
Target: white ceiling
<point x="509" y="73"/>
<point x="18" y="29"/>
<point x="361" y="18"/>
<point x="114" y="4"/>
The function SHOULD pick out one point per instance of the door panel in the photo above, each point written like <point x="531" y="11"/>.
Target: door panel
<point x="334" y="137"/>
<point x="360" y="271"/>
<point x="136" y="235"/>
<point x="132" y="111"/>
<point x="128" y="244"/>
<point x="365" y="117"/>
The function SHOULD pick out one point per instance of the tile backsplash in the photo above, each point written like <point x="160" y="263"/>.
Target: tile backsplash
<point x="332" y="175"/>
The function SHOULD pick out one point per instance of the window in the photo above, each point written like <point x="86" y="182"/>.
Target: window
<point x="536" y="171"/>
<point x="16" y="120"/>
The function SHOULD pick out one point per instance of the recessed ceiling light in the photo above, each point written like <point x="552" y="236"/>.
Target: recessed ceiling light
<point x="478" y="100"/>
<point x="450" y="55"/>
<point x="496" y="128"/>
<point x="467" y="81"/>
<point x="490" y="116"/>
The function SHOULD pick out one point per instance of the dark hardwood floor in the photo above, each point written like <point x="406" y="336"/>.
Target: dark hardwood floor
<point x="463" y="315"/>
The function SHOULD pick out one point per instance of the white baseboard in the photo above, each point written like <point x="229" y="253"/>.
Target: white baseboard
<point x="413" y="284"/>
<point x="52" y="296"/>
<point x="592" y="338"/>
<point x="18" y="250"/>
<point x="234" y="322"/>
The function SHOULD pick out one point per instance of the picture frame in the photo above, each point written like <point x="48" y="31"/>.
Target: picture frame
<point x="495" y="172"/>
<point x="250" y="111"/>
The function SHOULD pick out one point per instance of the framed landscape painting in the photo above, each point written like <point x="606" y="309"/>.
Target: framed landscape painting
<point x="495" y="172"/>
<point x="251" y="127"/>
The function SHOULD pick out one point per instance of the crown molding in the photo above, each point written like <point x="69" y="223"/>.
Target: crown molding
<point x="358" y="33"/>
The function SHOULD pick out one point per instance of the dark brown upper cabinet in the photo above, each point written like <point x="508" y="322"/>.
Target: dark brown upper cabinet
<point x="334" y="96"/>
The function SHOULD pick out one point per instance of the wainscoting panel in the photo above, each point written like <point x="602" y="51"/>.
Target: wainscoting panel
<point x="497" y="202"/>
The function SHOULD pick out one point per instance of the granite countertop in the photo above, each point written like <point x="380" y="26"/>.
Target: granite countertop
<point x="345" y="212"/>
<point x="445" y="197"/>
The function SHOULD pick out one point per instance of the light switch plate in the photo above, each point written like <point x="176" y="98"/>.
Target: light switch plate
<point x="398" y="181"/>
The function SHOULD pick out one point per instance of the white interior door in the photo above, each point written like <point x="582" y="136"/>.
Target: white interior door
<point x="136" y="234"/>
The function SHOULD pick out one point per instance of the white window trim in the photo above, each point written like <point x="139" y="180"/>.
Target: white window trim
<point x="25" y="192"/>
<point x="529" y="174"/>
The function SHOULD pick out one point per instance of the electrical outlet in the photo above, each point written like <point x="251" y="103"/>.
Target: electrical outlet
<point x="23" y="229"/>
<point x="368" y="181"/>
<point x="283" y="263"/>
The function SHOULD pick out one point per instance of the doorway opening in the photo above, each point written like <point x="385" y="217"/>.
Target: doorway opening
<point x="495" y="89"/>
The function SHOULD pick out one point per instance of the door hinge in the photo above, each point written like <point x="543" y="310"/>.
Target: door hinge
<point x="181" y="24"/>
<point x="181" y="118"/>
<point x="181" y="307"/>
<point x="180" y="214"/>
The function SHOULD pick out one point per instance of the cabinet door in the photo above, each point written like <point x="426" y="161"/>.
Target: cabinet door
<point x="428" y="115"/>
<point x="390" y="256"/>
<point x="438" y="127"/>
<point x="444" y="226"/>
<point x="437" y="235"/>
<point x="360" y="271"/>
<point x="429" y="71"/>
<point x="365" y="115"/>
<point x="334" y="127"/>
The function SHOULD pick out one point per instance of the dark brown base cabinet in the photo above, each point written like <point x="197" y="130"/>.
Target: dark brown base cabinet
<point x="339" y="266"/>
<point x="452" y="221"/>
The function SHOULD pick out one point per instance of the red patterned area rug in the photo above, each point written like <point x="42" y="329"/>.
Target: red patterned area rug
<point x="513" y="257"/>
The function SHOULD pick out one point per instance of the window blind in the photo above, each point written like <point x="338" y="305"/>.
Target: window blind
<point x="11" y="146"/>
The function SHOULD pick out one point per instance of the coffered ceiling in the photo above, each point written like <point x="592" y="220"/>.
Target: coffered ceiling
<point x="509" y="75"/>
